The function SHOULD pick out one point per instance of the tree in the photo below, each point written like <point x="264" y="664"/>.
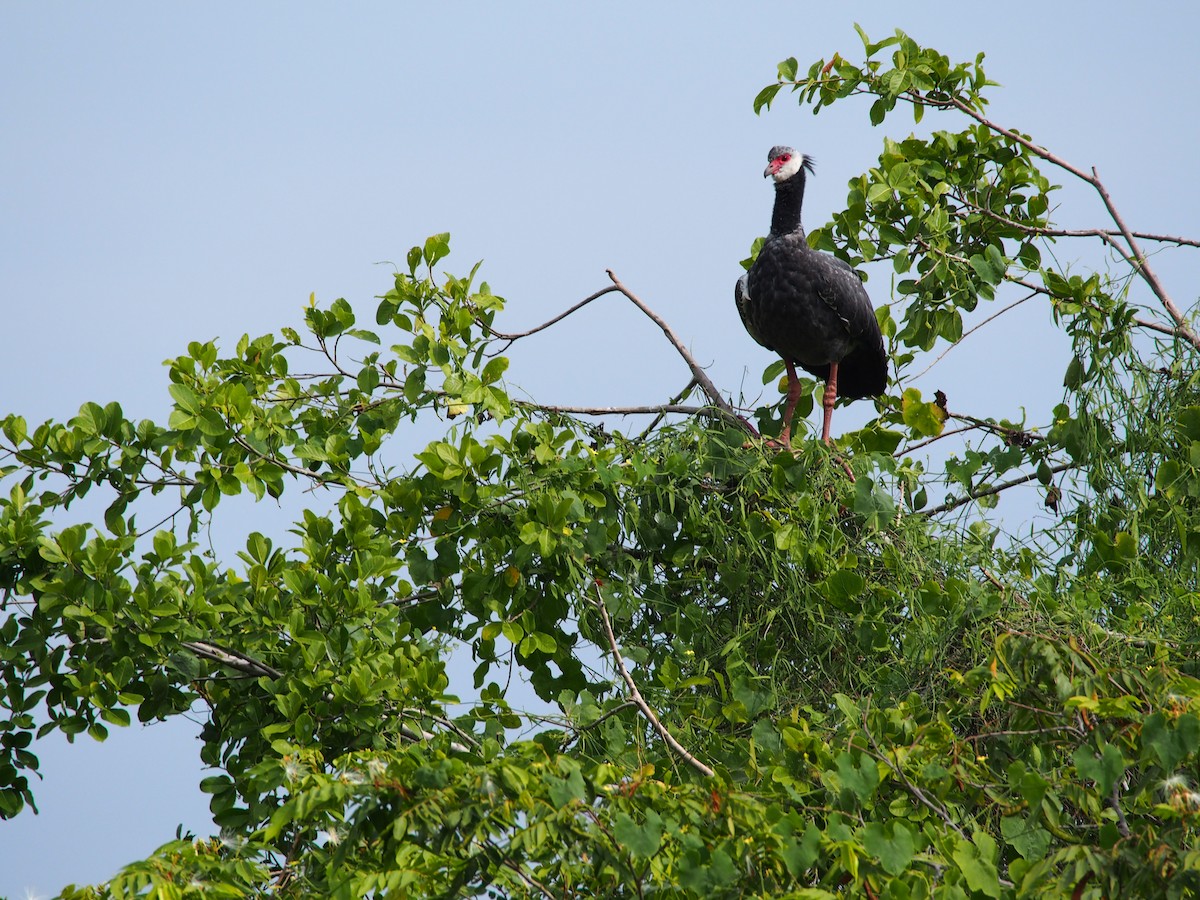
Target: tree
<point x="764" y="673"/>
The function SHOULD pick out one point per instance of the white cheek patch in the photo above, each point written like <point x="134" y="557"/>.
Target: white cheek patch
<point x="789" y="168"/>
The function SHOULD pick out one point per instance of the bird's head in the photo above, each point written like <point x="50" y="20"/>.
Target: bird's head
<point x="784" y="163"/>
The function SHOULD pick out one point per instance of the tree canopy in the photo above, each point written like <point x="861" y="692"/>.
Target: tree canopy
<point x="810" y="673"/>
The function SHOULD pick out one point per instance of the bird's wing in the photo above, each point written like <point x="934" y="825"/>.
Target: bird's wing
<point x="864" y="370"/>
<point x="741" y="296"/>
<point x="842" y="288"/>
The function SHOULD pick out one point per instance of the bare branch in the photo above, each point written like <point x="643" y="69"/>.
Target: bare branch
<point x="636" y="696"/>
<point x="445" y="723"/>
<point x="1115" y="801"/>
<point x="1104" y="234"/>
<point x="578" y="306"/>
<point x="287" y="467"/>
<point x="1012" y="435"/>
<point x="658" y="408"/>
<point x="698" y="373"/>
<point x="234" y="659"/>
<point x="919" y="794"/>
<point x="612" y="712"/>
<point x="972" y="330"/>
<point x="674" y="400"/>
<point x="995" y="489"/>
<point x="1049" y="729"/>
<point x="1138" y="260"/>
<point x="1143" y="267"/>
<point x="937" y="437"/>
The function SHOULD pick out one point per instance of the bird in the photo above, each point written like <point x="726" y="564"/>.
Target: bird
<point x="809" y="307"/>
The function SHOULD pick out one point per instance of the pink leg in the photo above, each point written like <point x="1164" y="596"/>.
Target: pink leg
<point x="829" y="398"/>
<point x="793" y="397"/>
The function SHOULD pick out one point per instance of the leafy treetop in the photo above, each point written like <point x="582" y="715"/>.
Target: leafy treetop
<point x="761" y="674"/>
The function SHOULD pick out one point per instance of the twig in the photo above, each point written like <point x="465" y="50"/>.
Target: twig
<point x="276" y="461"/>
<point x="1115" y="801"/>
<point x="1016" y="435"/>
<point x="912" y="788"/>
<point x="636" y="696"/>
<point x="658" y="410"/>
<point x="247" y="665"/>
<point x="513" y="866"/>
<point x="1093" y="178"/>
<point x="972" y="330"/>
<point x="993" y="580"/>
<point x="995" y="489"/>
<point x="676" y="399"/>
<point x="698" y="373"/>
<point x="413" y="599"/>
<point x="653" y="409"/>
<point x="936" y="437"/>
<point x="1143" y="267"/>
<point x="1050" y="729"/>
<point x="445" y="723"/>
<point x="612" y="712"/>
<point x="578" y="306"/>
<point x="1104" y="234"/>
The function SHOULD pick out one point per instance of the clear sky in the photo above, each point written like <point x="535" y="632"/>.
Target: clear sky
<point x="174" y="172"/>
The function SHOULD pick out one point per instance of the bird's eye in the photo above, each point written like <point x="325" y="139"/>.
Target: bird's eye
<point x="785" y="158"/>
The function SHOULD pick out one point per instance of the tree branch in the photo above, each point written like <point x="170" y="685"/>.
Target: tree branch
<point x="1143" y="267"/>
<point x="240" y="662"/>
<point x="1115" y="801"/>
<point x="636" y="696"/>
<point x="995" y="489"/>
<point x="1104" y="234"/>
<point x="919" y="794"/>
<point x="698" y="373"/>
<point x="659" y="410"/>
<point x="445" y="724"/>
<point x="1138" y="261"/>
<point x="972" y="330"/>
<point x="674" y="400"/>
<point x="286" y="466"/>
<point x="511" y="338"/>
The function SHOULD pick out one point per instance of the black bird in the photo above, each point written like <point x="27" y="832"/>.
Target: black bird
<point x="809" y="307"/>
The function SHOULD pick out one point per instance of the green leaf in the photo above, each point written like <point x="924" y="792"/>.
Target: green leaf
<point x="437" y="248"/>
<point x="1106" y="768"/>
<point x="892" y="844"/>
<point x="494" y="369"/>
<point x="765" y="96"/>
<point x="978" y="868"/>
<point x="925" y="419"/>
<point x="873" y="503"/>
<point x="641" y="840"/>
<point x="565" y="791"/>
<point x="185" y="398"/>
<point x="844" y="584"/>
<point x="15" y="429"/>
<point x="799" y="856"/>
<point x="1026" y="836"/>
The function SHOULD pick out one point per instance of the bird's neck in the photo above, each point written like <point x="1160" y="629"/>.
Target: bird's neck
<point x="785" y="218"/>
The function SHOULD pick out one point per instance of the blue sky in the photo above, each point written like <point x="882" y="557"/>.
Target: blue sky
<point x="194" y="171"/>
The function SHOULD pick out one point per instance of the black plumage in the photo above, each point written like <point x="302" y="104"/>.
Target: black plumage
<point x="809" y="307"/>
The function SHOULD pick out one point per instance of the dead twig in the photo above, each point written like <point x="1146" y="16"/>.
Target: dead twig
<point x="636" y="696"/>
<point x="234" y="659"/>
<point x="994" y="489"/>
<point x="511" y="338"/>
<point x="698" y="373"/>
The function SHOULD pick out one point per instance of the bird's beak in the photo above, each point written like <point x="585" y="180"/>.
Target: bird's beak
<point x="770" y="170"/>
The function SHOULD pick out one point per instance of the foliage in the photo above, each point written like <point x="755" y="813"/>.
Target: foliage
<point x="865" y="696"/>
